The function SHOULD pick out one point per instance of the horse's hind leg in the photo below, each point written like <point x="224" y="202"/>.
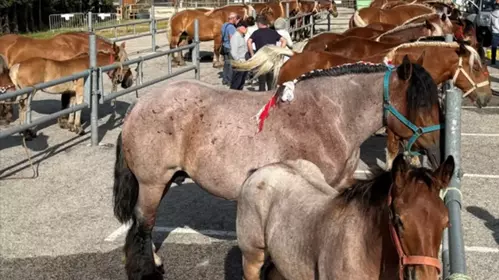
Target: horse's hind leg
<point x="141" y="260"/>
<point x="65" y="101"/>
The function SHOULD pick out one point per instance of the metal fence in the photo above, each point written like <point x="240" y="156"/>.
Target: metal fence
<point x="80" y="21"/>
<point x="94" y="93"/>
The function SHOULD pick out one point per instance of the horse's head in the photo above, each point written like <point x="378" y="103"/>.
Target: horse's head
<point x="6" y="85"/>
<point x="417" y="101"/>
<point x="418" y="216"/>
<point x="471" y="75"/>
<point x="328" y="5"/>
<point x="121" y="75"/>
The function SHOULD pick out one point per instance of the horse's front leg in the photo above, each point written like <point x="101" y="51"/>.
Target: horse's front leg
<point x="392" y="148"/>
<point x="65" y="103"/>
<point x="71" y="118"/>
<point x="217" y="45"/>
<point x="78" y="100"/>
<point x="24" y="103"/>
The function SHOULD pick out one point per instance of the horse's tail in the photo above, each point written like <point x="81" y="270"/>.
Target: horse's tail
<point x="126" y="186"/>
<point x="357" y="19"/>
<point x="265" y="59"/>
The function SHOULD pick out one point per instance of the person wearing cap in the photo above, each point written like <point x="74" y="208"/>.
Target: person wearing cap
<point x="261" y="37"/>
<point x="228" y="30"/>
<point x="238" y="50"/>
<point x="280" y="27"/>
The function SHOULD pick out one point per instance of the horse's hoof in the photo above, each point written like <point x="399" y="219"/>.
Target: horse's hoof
<point x="182" y="63"/>
<point x="79" y="131"/>
<point x="218" y="65"/>
<point x="28" y="134"/>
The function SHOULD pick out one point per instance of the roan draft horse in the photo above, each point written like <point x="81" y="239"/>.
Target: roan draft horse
<point x="185" y="129"/>
<point x="181" y="28"/>
<point x="38" y="70"/>
<point x="384" y="227"/>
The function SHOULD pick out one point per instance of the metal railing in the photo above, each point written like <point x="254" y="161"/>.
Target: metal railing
<point x="79" y="21"/>
<point x="94" y="92"/>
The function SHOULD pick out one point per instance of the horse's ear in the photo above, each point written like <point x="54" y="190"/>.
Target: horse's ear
<point x="462" y="48"/>
<point x="399" y="169"/>
<point x="404" y="71"/>
<point x="444" y="172"/>
<point x="421" y="58"/>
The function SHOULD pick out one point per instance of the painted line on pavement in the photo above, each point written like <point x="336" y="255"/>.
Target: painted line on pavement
<point x="207" y="237"/>
<point x="474" y="107"/>
<point x="471" y="175"/>
<point x="481" y="134"/>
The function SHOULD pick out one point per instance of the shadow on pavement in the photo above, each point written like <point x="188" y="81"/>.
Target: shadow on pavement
<point x="491" y="222"/>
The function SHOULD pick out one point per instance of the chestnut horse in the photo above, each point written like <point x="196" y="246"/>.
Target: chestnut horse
<point x="400" y="34"/>
<point x="189" y="128"/>
<point x="181" y="24"/>
<point x="6" y="85"/>
<point x="38" y="70"/>
<point x="64" y="46"/>
<point x="396" y="16"/>
<point x="288" y="214"/>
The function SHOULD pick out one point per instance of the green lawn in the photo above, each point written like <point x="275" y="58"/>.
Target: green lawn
<point x="108" y="33"/>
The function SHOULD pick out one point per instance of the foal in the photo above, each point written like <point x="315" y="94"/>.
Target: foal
<point x="287" y="212"/>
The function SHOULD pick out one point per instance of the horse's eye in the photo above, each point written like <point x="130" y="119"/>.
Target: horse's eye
<point x="398" y="221"/>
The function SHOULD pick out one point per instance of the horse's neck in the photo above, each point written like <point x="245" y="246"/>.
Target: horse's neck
<point x="355" y="105"/>
<point x="363" y="239"/>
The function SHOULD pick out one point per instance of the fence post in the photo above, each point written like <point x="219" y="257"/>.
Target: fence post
<point x="312" y="29"/>
<point x="196" y="50"/>
<point x="152" y="28"/>
<point x="453" y="244"/>
<point x="94" y="105"/>
<point x="288" y="22"/>
<point x="328" y="21"/>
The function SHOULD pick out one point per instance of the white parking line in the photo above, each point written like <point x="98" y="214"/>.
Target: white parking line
<point x="474" y="107"/>
<point x="481" y="134"/>
<point x="194" y="237"/>
<point x="471" y="175"/>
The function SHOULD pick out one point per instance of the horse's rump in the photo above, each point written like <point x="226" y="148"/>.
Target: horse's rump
<point x="183" y="22"/>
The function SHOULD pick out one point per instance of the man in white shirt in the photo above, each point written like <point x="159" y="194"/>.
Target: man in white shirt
<point x="495" y="32"/>
<point x="238" y="51"/>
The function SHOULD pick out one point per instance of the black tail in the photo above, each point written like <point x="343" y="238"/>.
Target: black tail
<point x="126" y="186"/>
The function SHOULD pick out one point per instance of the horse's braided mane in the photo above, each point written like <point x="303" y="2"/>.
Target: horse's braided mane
<point x="374" y="191"/>
<point x="360" y="67"/>
<point x="419" y="4"/>
<point x="474" y="56"/>
<point x="400" y="28"/>
<point x="427" y="16"/>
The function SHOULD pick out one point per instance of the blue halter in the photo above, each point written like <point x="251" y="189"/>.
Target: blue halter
<point x="388" y="108"/>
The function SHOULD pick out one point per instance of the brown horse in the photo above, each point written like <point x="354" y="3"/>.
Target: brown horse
<point x="287" y="213"/>
<point x="396" y="16"/>
<point x="64" y="46"/>
<point x="210" y="22"/>
<point x="38" y="70"/>
<point x="400" y="34"/>
<point x="6" y="85"/>
<point x="189" y="128"/>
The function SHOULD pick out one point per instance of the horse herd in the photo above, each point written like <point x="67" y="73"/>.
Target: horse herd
<point x="298" y="205"/>
<point x="288" y="156"/>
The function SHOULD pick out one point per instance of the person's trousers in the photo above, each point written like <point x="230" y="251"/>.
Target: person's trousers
<point x="227" y="71"/>
<point x="266" y="79"/>
<point x="495" y="43"/>
<point x="238" y="79"/>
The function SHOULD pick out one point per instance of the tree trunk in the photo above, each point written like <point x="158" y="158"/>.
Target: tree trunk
<point x="5" y="23"/>
<point x="31" y="18"/>
<point x="14" y="24"/>
<point x="25" y="18"/>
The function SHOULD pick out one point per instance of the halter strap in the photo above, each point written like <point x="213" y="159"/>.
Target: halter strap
<point x="389" y="108"/>
<point x="4" y="89"/>
<point x="460" y="69"/>
<point x="405" y="259"/>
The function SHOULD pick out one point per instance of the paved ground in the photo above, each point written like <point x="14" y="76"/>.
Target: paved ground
<point x="60" y="225"/>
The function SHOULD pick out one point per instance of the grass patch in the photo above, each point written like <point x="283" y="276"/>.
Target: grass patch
<point x="108" y="33"/>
